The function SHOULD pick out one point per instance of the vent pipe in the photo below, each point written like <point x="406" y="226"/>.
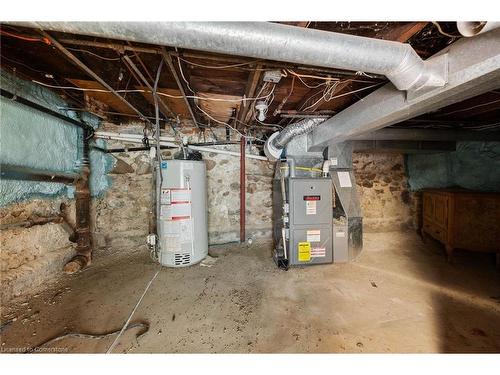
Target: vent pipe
<point x="474" y="28"/>
<point x="277" y="141"/>
<point x="271" y="41"/>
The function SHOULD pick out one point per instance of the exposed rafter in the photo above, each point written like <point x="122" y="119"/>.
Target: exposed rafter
<point x="250" y="91"/>
<point x="71" y="57"/>
<point x="168" y="60"/>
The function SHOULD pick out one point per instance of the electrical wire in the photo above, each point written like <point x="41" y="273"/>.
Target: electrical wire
<point x="97" y="336"/>
<point x="26" y="38"/>
<point x="20" y="63"/>
<point x="327" y="79"/>
<point x="218" y="66"/>
<point x="208" y="115"/>
<point x="150" y="92"/>
<point x="94" y="54"/>
<point x="346" y="93"/>
<point x="442" y="32"/>
<point x="124" y="328"/>
<point x="468" y="108"/>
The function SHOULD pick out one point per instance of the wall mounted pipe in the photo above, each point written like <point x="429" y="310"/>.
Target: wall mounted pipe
<point x="242" y="189"/>
<point x="83" y="255"/>
<point x="271" y="41"/>
<point x="137" y="138"/>
<point x="8" y="95"/>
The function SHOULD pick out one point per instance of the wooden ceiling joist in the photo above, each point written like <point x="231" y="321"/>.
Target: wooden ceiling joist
<point x="168" y="60"/>
<point x="250" y="91"/>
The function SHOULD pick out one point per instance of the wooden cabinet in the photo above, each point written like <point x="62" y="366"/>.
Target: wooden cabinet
<point x="462" y="219"/>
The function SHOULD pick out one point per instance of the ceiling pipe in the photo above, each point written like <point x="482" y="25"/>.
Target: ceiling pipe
<point x="271" y="41"/>
<point x="468" y="28"/>
<point x="275" y="144"/>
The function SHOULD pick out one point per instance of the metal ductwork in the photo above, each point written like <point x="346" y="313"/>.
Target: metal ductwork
<point x="277" y="141"/>
<point x="272" y="41"/>
<point x="475" y="28"/>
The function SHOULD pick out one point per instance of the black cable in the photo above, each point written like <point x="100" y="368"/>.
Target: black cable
<point x="144" y="325"/>
<point x="29" y="103"/>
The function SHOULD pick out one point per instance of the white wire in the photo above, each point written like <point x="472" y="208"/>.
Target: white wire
<point x="110" y="349"/>
<point x="197" y="106"/>
<point x="344" y="94"/>
<point x="438" y="26"/>
<point x="150" y="92"/>
<point x="217" y="66"/>
<point x="94" y="54"/>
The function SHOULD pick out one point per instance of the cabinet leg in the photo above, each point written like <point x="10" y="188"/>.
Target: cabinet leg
<point x="422" y="234"/>
<point x="449" y="253"/>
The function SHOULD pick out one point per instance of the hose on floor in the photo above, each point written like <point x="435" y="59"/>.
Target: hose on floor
<point x="98" y="336"/>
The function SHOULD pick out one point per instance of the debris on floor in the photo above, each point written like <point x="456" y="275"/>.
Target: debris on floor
<point x="208" y="261"/>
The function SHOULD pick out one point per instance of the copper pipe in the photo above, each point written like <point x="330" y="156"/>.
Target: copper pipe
<point x="242" y="190"/>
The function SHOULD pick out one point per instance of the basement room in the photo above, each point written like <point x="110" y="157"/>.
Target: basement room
<point x="250" y="187"/>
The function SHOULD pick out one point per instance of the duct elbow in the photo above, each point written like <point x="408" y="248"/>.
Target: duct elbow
<point x="469" y="29"/>
<point x="413" y="73"/>
<point x="272" y="152"/>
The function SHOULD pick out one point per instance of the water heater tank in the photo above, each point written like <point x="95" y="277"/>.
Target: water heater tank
<point x="182" y="227"/>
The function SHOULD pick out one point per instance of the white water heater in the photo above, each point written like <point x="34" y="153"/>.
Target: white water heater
<point x="182" y="224"/>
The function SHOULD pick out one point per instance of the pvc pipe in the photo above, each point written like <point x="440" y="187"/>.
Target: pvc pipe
<point x="137" y="138"/>
<point x="475" y="28"/>
<point x="128" y="135"/>
<point x="225" y="152"/>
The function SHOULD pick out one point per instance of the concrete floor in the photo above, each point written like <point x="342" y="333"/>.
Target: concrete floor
<point x="399" y="296"/>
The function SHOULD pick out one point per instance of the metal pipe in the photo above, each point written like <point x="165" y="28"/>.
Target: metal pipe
<point x="83" y="255"/>
<point x="467" y="28"/>
<point x="225" y="152"/>
<point x="277" y="141"/>
<point x="135" y="138"/>
<point x="262" y="40"/>
<point x="103" y="134"/>
<point x="41" y="108"/>
<point x="242" y="189"/>
<point x="12" y="172"/>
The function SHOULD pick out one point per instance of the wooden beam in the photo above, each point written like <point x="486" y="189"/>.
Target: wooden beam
<point x="402" y="33"/>
<point x="168" y="60"/>
<point x="250" y="90"/>
<point x="115" y="46"/>
<point x="70" y="57"/>
<point x="163" y="106"/>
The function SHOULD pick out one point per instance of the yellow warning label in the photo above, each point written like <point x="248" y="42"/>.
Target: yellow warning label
<point x="304" y="251"/>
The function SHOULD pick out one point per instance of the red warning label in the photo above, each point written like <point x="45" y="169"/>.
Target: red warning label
<point x="317" y="252"/>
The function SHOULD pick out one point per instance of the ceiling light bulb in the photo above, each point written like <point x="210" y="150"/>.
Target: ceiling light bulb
<point x="262" y="108"/>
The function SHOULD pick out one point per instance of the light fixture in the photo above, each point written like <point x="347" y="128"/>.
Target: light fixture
<point x="262" y="108"/>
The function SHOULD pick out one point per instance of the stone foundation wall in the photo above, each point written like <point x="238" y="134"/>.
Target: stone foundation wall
<point x="32" y="256"/>
<point x="385" y="198"/>
<point x="120" y="217"/>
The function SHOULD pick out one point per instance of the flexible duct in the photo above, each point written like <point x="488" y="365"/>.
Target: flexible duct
<point x="271" y="41"/>
<point x="277" y="141"/>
